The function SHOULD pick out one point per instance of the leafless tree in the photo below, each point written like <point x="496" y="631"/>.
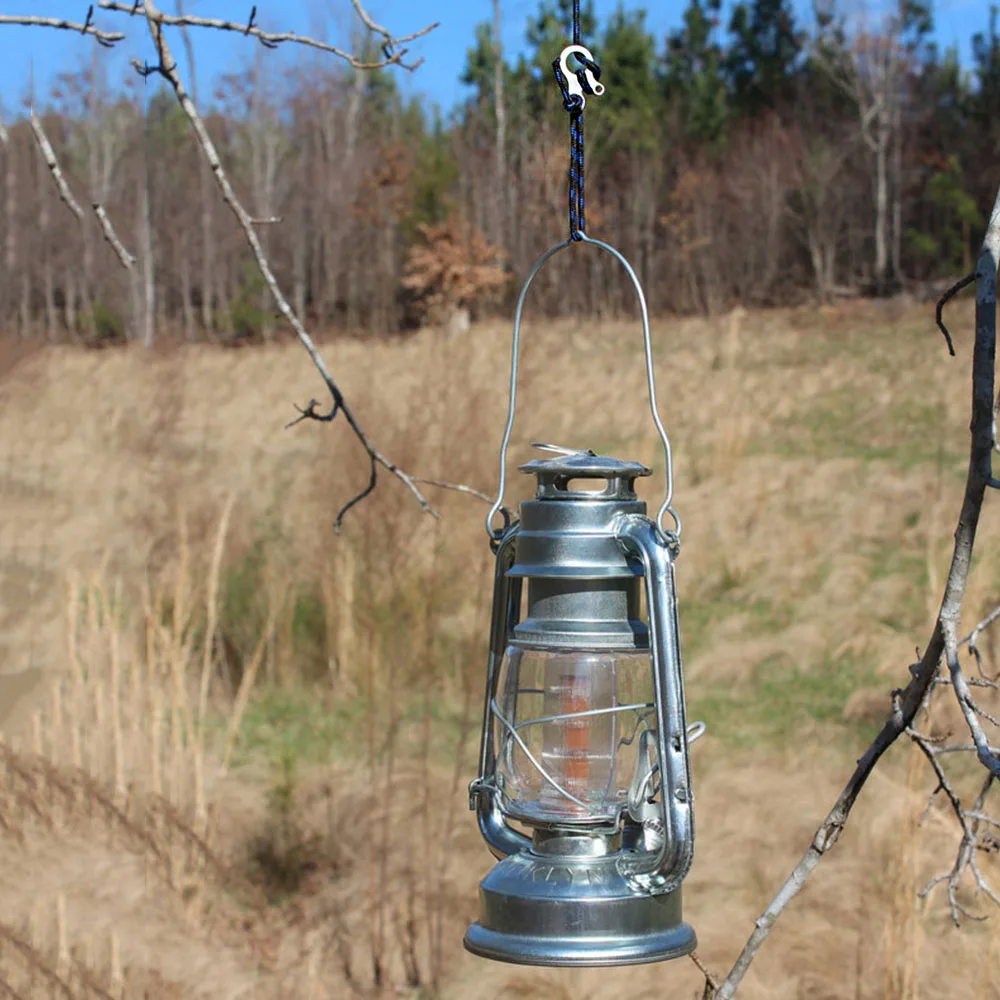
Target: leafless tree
<point x="500" y="108"/>
<point x="874" y="77"/>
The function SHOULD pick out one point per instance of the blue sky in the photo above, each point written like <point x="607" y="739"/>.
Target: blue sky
<point x="45" y="52"/>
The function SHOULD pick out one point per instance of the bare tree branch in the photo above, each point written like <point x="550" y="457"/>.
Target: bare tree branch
<point x="105" y="38"/>
<point x="966" y="856"/>
<point x="943" y="640"/>
<point x="128" y="261"/>
<point x="273" y="40"/>
<point x="457" y="487"/>
<point x="48" y="154"/>
<point x="167" y="68"/>
<point x="943" y="301"/>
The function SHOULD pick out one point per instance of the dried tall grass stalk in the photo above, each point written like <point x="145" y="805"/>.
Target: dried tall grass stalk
<point x="241" y="703"/>
<point x="135" y="708"/>
<point x="345" y="583"/>
<point x="211" y="623"/>
<point x="97" y="734"/>
<point x="155" y="778"/>
<point x="116" y="729"/>
<point x="72" y="619"/>
<point x="901" y="954"/>
<point x="116" y="976"/>
<point x="57" y="720"/>
<point x="62" y="946"/>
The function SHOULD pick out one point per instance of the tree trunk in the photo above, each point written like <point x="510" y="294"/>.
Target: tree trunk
<point x="9" y="226"/>
<point x="148" y="267"/>
<point x="897" y="195"/>
<point x="69" y="302"/>
<point x="299" y="269"/>
<point x="51" y="328"/>
<point x="881" y="205"/>
<point x="500" y="108"/>
<point x="204" y="195"/>
<point x="186" y="294"/>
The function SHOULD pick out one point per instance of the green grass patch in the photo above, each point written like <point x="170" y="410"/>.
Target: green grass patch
<point x="781" y="699"/>
<point x="699" y="617"/>
<point x="301" y="726"/>
<point x="842" y="423"/>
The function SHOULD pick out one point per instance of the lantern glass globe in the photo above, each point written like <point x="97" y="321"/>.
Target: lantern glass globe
<point x="568" y="730"/>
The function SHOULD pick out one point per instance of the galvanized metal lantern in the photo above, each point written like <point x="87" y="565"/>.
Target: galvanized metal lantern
<point x="585" y="740"/>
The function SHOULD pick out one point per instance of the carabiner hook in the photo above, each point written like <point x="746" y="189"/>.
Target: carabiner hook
<point x="583" y="81"/>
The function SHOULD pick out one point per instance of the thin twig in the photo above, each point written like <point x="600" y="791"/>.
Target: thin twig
<point x="105" y="38"/>
<point x="389" y="42"/>
<point x="943" y="301"/>
<point x="965" y="858"/>
<point x="930" y="752"/>
<point x="457" y="487"/>
<point x="268" y="39"/>
<point x="167" y="68"/>
<point x="711" y="983"/>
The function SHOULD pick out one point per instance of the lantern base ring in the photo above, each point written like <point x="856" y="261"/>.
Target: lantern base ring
<point x="574" y="912"/>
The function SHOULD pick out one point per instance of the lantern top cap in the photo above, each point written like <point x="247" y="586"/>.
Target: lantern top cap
<point x="583" y="464"/>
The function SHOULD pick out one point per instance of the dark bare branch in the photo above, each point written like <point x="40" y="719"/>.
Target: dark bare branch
<point x="105" y="38"/>
<point x="943" y="301"/>
<point x="943" y="641"/>
<point x="395" y="56"/>
<point x="167" y="68"/>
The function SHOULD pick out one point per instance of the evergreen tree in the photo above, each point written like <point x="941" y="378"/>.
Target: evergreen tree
<point x="550" y="30"/>
<point x="986" y="100"/>
<point x="693" y="78"/>
<point x="631" y="101"/>
<point x="764" y="55"/>
<point x="480" y="61"/>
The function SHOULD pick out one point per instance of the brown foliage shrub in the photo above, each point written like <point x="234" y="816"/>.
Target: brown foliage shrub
<point x="454" y="267"/>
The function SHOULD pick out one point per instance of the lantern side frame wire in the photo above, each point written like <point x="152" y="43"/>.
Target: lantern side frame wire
<point x="513" y="728"/>
<point x="694" y="732"/>
<point x="666" y="506"/>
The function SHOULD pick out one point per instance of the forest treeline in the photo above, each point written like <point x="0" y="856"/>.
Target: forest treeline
<point x="742" y="159"/>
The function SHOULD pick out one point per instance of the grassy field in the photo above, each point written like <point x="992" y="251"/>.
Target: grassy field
<point x="236" y="745"/>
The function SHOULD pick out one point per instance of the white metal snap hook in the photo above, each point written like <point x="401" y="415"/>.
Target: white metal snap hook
<point x="572" y="77"/>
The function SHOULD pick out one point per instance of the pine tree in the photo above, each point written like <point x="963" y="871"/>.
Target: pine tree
<point x="693" y="77"/>
<point x="764" y="55"/>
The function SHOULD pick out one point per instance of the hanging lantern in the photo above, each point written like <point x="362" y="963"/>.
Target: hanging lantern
<point x="584" y="789"/>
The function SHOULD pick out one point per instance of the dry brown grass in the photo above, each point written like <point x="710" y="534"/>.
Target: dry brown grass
<point x="236" y="747"/>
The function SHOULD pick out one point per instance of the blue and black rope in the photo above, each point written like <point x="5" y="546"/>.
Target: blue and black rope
<point x="573" y="103"/>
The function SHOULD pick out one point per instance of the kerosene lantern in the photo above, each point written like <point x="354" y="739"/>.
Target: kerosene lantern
<point x="584" y="789"/>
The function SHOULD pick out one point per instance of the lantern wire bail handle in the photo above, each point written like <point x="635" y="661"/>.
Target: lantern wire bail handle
<point x="673" y="534"/>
